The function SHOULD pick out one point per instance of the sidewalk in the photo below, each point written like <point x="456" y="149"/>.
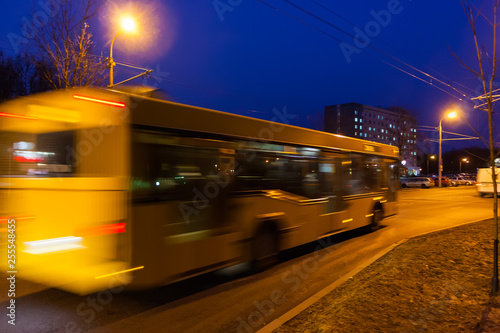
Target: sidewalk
<point x="439" y="282"/>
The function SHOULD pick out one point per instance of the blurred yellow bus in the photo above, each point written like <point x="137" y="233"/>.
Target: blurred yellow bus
<point x="107" y="188"/>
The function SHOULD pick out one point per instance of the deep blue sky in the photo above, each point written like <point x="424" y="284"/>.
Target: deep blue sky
<point x="256" y="58"/>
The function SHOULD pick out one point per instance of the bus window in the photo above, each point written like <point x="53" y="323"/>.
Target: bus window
<point x="264" y="170"/>
<point x="372" y="173"/>
<point x="56" y="154"/>
<point x="361" y="174"/>
<point x="164" y="167"/>
<point x="40" y="155"/>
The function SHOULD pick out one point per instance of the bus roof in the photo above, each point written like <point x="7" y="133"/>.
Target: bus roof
<point x="153" y="112"/>
<point x="161" y="113"/>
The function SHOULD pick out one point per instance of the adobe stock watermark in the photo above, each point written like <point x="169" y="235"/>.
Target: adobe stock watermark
<point x="293" y="279"/>
<point x="363" y="38"/>
<point x="48" y="9"/>
<point x="94" y="304"/>
<point x="212" y="189"/>
<point x="223" y="6"/>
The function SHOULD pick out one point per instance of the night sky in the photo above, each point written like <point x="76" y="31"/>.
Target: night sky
<point x="248" y="58"/>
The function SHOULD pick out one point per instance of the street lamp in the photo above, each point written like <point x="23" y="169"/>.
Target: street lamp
<point x="432" y="157"/>
<point x="128" y="25"/>
<point x="465" y="160"/>
<point x="451" y="114"/>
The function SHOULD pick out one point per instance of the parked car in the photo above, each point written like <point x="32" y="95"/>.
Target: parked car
<point x="445" y="181"/>
<point x="423" y="182"/>
<point x="462" y="181"/>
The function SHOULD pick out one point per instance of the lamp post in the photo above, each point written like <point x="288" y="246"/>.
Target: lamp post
<point x="128" y="25"/>
<point x="465" y="160"/>
<point x="432" y="157"/>
<point x="451" y="114"/>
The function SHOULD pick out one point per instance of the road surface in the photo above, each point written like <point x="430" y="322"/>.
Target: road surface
<point x="232" y="300"/>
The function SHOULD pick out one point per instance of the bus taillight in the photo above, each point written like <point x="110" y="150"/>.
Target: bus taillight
<point x="105" y="229"/>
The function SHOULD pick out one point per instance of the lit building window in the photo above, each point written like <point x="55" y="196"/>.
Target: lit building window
<point x="356" y="126"/>
<point x="356" y="119"/>
<point x="360" y="127"/>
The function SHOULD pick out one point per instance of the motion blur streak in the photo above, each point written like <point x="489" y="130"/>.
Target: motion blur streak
<point x="82" y="184"/>
<point x="121" y="272"/>
<point x="11" y="115"/>
<point x="102" y="101"/>
<point x="5" y="219"/>
<point x="54" y="245"/>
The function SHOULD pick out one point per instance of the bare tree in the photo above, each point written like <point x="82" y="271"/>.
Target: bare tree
<point x="19" y="77"/>
<point x="63" y="47"/>
<point x="9" y="79"/>
<point x="403" y="123"/>
<point x="486" y="71"/>
<point x="30" y="75"/>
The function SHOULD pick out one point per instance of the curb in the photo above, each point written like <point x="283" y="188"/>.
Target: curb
<point x="314" y="298"/>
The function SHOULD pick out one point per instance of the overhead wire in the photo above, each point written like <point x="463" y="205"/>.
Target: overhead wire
<point x="373" y="47"/>
<point x="391" y="46"/>
<point x="361" y="50"/>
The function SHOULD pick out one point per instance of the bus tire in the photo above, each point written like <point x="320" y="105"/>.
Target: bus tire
<point x="378" y="215"/>
<point x="265" y="247"/>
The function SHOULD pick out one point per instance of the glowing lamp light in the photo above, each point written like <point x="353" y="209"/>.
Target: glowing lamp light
<point x="452" y="114"/>
<point x="128" y="24"/>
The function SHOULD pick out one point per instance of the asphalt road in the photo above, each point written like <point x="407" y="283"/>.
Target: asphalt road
<point x="232" y="300"/>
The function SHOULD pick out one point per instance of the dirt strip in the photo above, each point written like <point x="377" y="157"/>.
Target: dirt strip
<point x="439" y="282"/>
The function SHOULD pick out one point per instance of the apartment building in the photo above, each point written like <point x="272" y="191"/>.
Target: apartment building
<point x="394" y="126"/>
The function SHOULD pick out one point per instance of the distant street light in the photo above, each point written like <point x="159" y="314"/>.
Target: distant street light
<point x="450" y="114"/>
<point x="465" y="160"/>
<point x="128" y="25"/>
<point x="432" y="157"/>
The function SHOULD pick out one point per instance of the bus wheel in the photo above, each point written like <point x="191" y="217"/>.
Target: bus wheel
<point x="378" y="215"/>
<point x="265" y="247"/>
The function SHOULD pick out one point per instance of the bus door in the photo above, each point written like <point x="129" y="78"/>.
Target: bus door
<point x="333" y="209"/>
<point x="390" y="185"/>
<point x="180" y="192"/>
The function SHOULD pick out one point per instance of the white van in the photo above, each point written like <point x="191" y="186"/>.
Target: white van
<point x="484" y="183"/>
